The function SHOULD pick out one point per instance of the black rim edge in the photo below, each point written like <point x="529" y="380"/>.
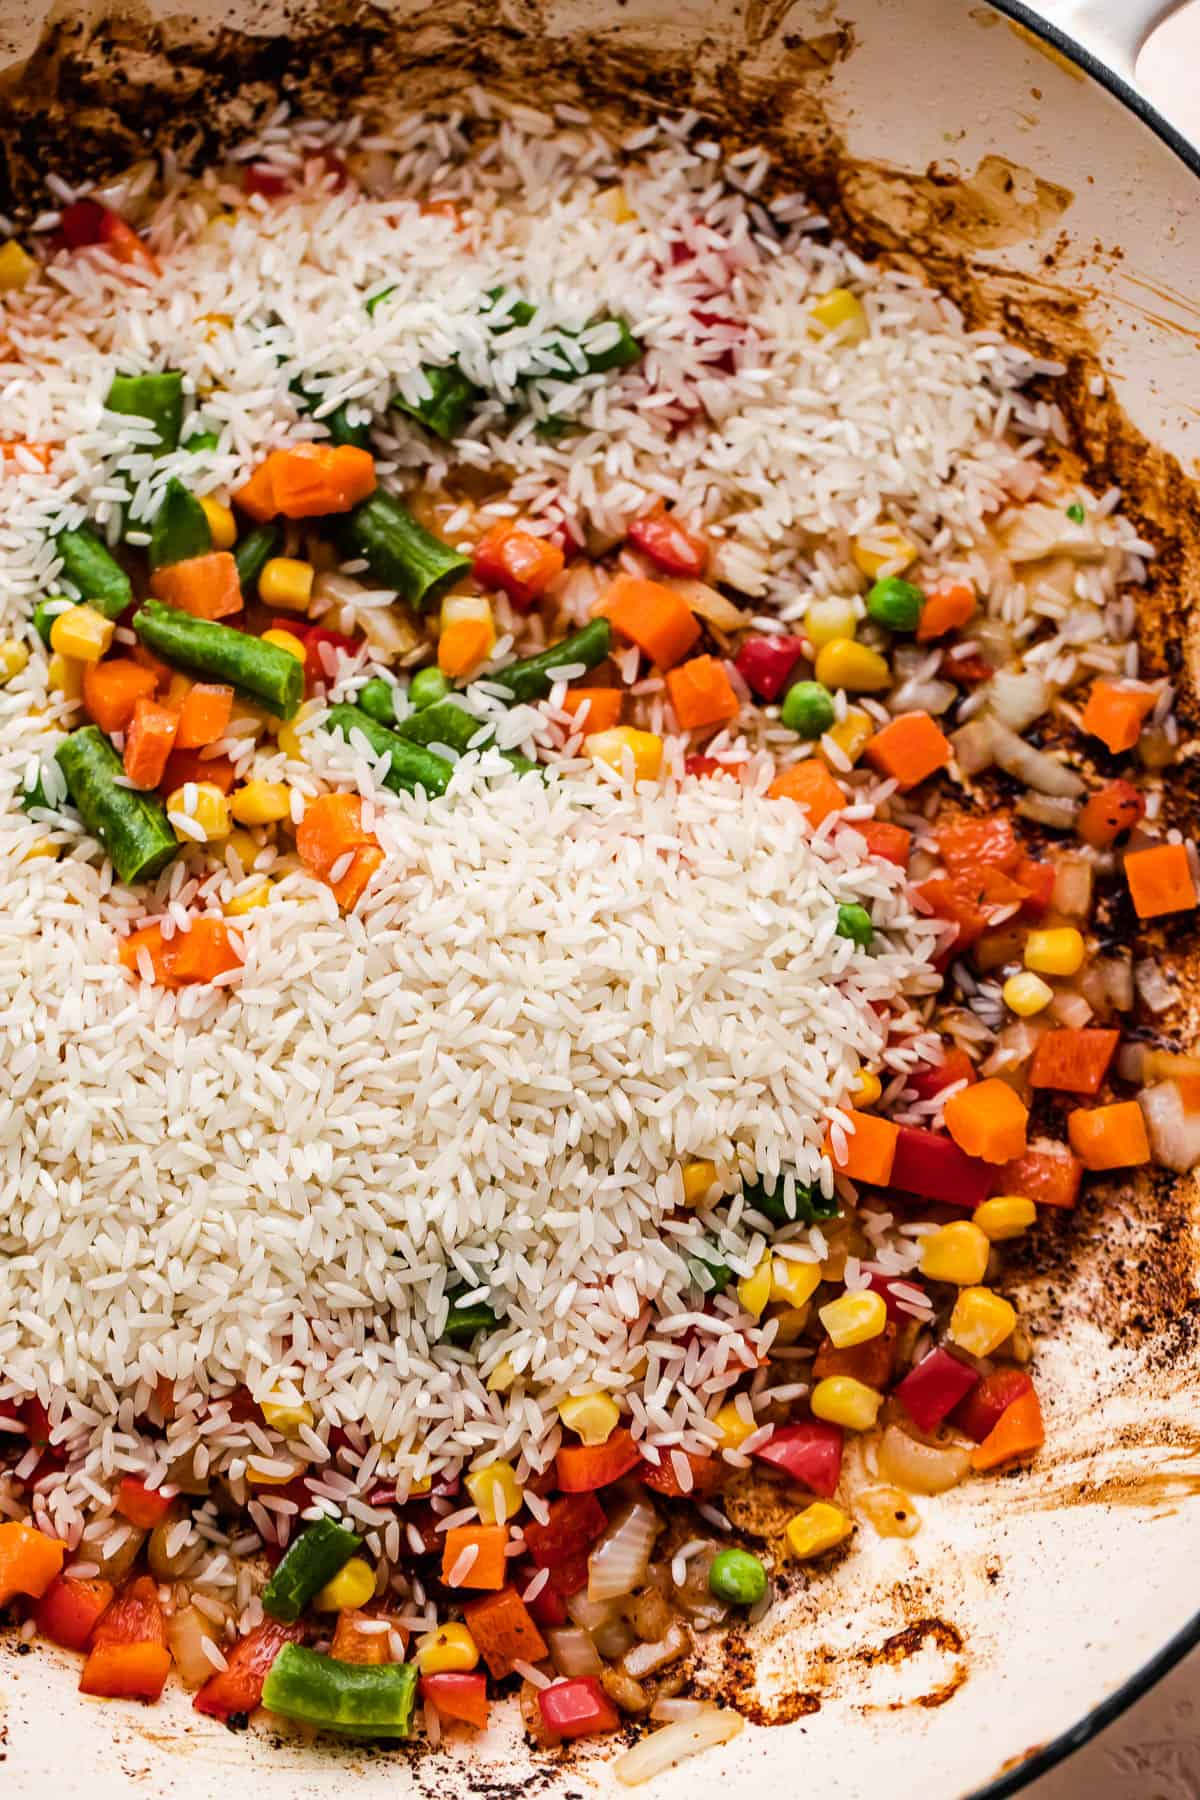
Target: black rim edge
<point x="1039" y="1762"/>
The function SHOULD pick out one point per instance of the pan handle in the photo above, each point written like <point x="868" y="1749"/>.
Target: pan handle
<point x="1114" y="30"/>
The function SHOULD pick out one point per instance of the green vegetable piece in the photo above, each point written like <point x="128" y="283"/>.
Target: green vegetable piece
<point x="35" y="797"/>
<point x="426" y="687"/>
<point x="261" y="671"/>
<point x="132" y="827"/>
<point x="767" y="1197"/>
<point x="93" y="569"/>
<point x="377" y="700"/>
<point x="309" y="1562"/>
<point x="337" y="423"/>
<point x="410" y="766"/>
<point x="737" y="1577"/>
<point x="378" y="299"/>
<point x="808" y="709"/>
<point x="449" y="722"/>
<point x="45" y="613"/>
<point x="353" y="1700"/>
<point x="517" y="312"/>
<point x="401" y="553"/>
<point x="254" y="553"/>
<point x="1076" y="513"/>
<point x="158" y="398"/>
<point x="533" y="678"/>
<point x="180" y="528"/>
<point x="463" y="1323"/>
<point x="201" y="440"/>
<point x="620" y="355"/>
<point x="714" y="1266"/>
<point x="854" y="922"/>
<point x="896" y="604"/>
<point x="449" y="404"/>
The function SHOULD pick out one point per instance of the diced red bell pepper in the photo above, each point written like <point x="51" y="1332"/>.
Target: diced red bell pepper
<point x="582" y="1467"/>
<point x="578" y="1708"/>
<point x="1073" y="1062"/>
<point x="519" y="563"/>
<point x="969" y="843"/>
<point x="1104" y="815"/>
<point x="980" y="1412"/>
<point x="889" y="842"/>
<point x="966" y="667"/>
<point x="314" y="662"/>
<point x="573" y="1525"/>
<point x="931" y="1164"/>
<point x="129" y="1659"/>
<point x="765" y="664"/>
<point x="873" y="1363"/>
<point x="708" y="1472"/>
<point x="260" y="178"/>
<point x="934" y="1387"/>
<point x="883" y="1284"/>
<point x="810" y="1453"/>
<point x="457" y="1695"/>
<point x="85" y="223"/>
<point x="1047" y="1177"/>
<point x="70" y="1609"/>
<point x="142" y="1506"/>
<point x="238" y="1688"/>
<point x="1037" y="878"/>
<point x="929" y="1079"/>
<point x="669" y="545"/>
<point x="549" y="1605"/>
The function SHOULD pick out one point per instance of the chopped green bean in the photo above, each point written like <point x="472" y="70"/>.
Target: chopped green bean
<point x="517" y="312"/>
<point x="158" y="398"/>
<point x="533" y="678"/>
<point x="337" y="423"/>
<point x="310" y="1561"/>
<point x="132" y="827"/>
<point x="449" y="722"/>
<point x="45" y="613"/>
<point x="254" y="553"/>
<point x="180" y="529"/>
<point x="401" y="553"/>
<point x="377" y="300"/>
<point x="264" y="673"/>
<point x="714" y="1266"/>
<point x="356" y="1700"/>
<point x="448" y="405"/>
<point x="377" y="699"/>
<point x="426" y="687"/>
<point x="767" y="1197"/>
<point x="410" y="765"/>
<point x="463" y="1323"/>
<point x="91" y="566"/>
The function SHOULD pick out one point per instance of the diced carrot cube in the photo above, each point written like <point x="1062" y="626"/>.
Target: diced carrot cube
<point x="702" y="694"/>
<point x="909" y="749"/>
<point x="205" y="586"/>
<point x="488" y="1567"/>
<point x="1160" y="880"/>
<point x="148" y="743"/>
<point x="604" y="707"/>
<point x="655" y="618"/>
<point x="870" y="1149"/>
<point x="204" y="715"/>
<point x="811" y="785"/>
<point x="112" y="689"/>
<point x="1109" y="1137"/>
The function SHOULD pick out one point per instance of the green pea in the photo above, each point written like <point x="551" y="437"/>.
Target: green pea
<point x="376" y="699"/>
<point x="895" y="603"/>
<point x="426" y="687"/>
<point x="808" y="708"/>
<point x="737" y="1577"/>
<point x="854" y="922"/>
<point x="1076" y="513"/>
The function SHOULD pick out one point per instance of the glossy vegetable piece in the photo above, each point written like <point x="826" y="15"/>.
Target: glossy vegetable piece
<point x="517" y="562"/>
<point x="309" y="1562"/>
<point x="349" y="1699"/>
<point x="142" y="1506"/>
<point x="238" y="1689"/>
<point x="85" y="223"/>
<point x="766" y="664"/>
<point x="810" y="785"/>
<point x="504" y="1631"/>
<point x="987" y="1120"/>
<point x="447" y="406"/>
<point x="92" y="568"/>
<point x="1018" y="1432"/>
<point x="204" y="586"/>
<point x="909" y="749"/>
<point x="1160" y="881"/>
<point x="534" y="676"/>
<point x="872" y="1363"/>
<point x="980" y="1412"/>
<point x="573" y="1524"/>
<point x="157" y="398"/>
<point x="70" y="1609"/>
<point x="1074" y="1062"/>
<point x="1112" y="809"/>
<point x="667" y="542"/>
<point x="29" y="1560"/>
<point x="129" y="1658"/>
<point x="707" y="1475"/>
<point x="932" y="1165"/>
<point x="737" y="1578"/>
<point x="401" y="553"/>
<point x="768" y="1196"/>
<point x="487" y="1542"/>
<point x="1109" y="1137"/>
<point x="263" y="672"/>
<point x="701" y="694"/>
<point x="1047" y="1177"/>
<point x="201" y="953"/>
<point x="946" y="609"/>
<point x="870" y="1151"/>
<point x="578" y="1708"/>
<point x="308" y="481"/>
<point x="1115" y="713"/>
<point x="459" y="1695"/>
<point x="655" y="618"/>
<point x="148" y="743"/>
<point x="934" y="1387"/>
<point x="970" y="843"/>
<point x="809" y="1453"/>
<point x="204" y="715"/>
<point x="254" y="552"/>
<point x="885" y="840"/>
<point x="180" y="528"/>
<point x="581" y="1468"/>
<point x="132" y="827"/>
<point x="594" y="708"/>
<point x="111" y="690"/>
<point x="409" y="766"/>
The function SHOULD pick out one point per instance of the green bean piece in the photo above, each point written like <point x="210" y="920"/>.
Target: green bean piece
<point x="518" y="312"/>
<point x="449" y="722"/>
<point x="180" y="528"/>
<point x="254" y="553"/>
<point x="766" y="1196"/>
<point x="737" y="1577"/>
<point x="426" y="687"/>
<point x="896" y="604"/>
<point x="854" y="922"/>
<point x="132" y="827"/>
<point x="448" y="405"/>
<point x="355" y="1700"/>
<point x="35" y="797"/>
<point x="337" y="423"/>
<point x="158" y="398"/>
<point x="377" y="699"/>
<point x="309" y="1562"/>
<point x="201" y="440"/>
<point x="621" y="354"/>
<point x="401" y="553"/>
<point x="533" y="678"/>
<point x="95" y="571"/>
<point x="45" y="613"/>
<point x="463" y="1323"/>
<point x="410" y="766"/>
<point x="261" y="671"/>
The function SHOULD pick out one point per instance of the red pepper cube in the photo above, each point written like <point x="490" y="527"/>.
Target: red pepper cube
<point x="765" y="664"/>
<point x="669" y="545"/>
<point x="517" y="562"/>
<point x="932" y="1165"/>
<point x="809" y="1453"/>
<point x="573" y="1525"/>
<point x="982" y="1409"/>
<point x="142" y="1506"/>
<point x="578" y="1708"/>
<point x="934" y="1387"/>
<point x="885" y="1286"/>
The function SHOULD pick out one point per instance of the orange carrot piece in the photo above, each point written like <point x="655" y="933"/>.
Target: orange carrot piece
<point x="150" y="939"/>
<point x="490" y="1563"/>
<point x="148" y="743"/>
<point x="203" y="715"/>
<point x="1109" y="1137"/>
<point x="463" y="646"/>
<point x="988" y="1120"/>
<point x="205" y="586"/>
<point x="112" y="689"/>
<point x="368" y="1648"/>
<point x="655" y="618"/>
<point x="809" y="784"/>
<point x="256" y="497"/>
<point x="870" y="1149"/>
<point x="1018" y="1431"/>
<point x="702" y="694"/>
<point x="1073" y="1062"/>
<point x="1116" y="807"/>
<point x="146" y="659"/>
<point x="308" y="481"/>
<point x="29" y="1560"/>
<point x="41" y="454"/>
<point x="946" y="609"/>
<point x="604" y="706"/>
<point x="1160" y="880"/>
<point x="126" y="1671"/>
<point x="332" y="826"/>
<point x="193" y="765"/>
<point x="909" y="749"/>
<point x="203" y="951"/>
<point x="1115" y="713"/>
<point x="348" y="891"/>
<point x="504" y="1631"/>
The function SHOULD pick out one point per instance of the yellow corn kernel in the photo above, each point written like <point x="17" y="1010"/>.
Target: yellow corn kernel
<point x="250" y="901"/>
<point x="623" y="742"/>
<point x="82" y="633"/>
<point x="699" y="1179"/>
<point x="826" y="620"/>
<point x="13" y="658"/>
<point x="39" y="848"/>
<point x="286" y="1415"/>
<point x="496" y="1492"/>
<point x="844" y="663"/>
<point x="867" y="1088"/>
<point x="841" y="311"/>
<point x="1004" y="1216"/>
<point x="613" y="204"/>
<point x="245" y="847"/>
<point x="840" y="1400"/>
<point x="258" y="1476"/>
<point x="449" y="1647"/>
<point x="981" y="1321"/>
<point x="850" y="735"/>
<point x="16" y="267"/>
<point x="350" y="1588"/>
<point x="289" y="737"/>
<point x="65" y="674"/>
<point x="261" y="802"/>
<point x="457" y="609"/>
<point x="209" y="811"/>
<point x="221" y="523"/>
<point x="790" y="1323"/>
<point x="501" y="1377"/>
<point x="1056" y="952"/>
<point x="884" y="547"/>
<point x="754" y="1291"/>
<point x="733" y="1428"/>
<point x="287" y="582"/>
<point x="854" y="1318"/>
<point x="1026" y="994"/>
<point x="594" y="1417"/>
<point x="286" y="640"/>
<point x="817" y="1529"/>
<point x="957" y="1253"/>
<point x="794" y="1283"/>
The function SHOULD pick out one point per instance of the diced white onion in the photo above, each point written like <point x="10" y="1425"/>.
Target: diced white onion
<point x="1034" y="767"/>
<point x="573" y="1651"/>
<point x="1017" y="697"/>
<point x="619" y="1562"/>
<point x="972" y="745"/>
<point x="663" y="1749"/>
<point x="933" y="697"/>
<point x="1073" y="887"/>
<point x="921" y="1468"/>
<point x="708" y="603"/>
<point x="1174" y="1132"/>
<point x="1154" y="988"/>
<point x="1071" y="1010"/>
<point x="1058" y="813"/>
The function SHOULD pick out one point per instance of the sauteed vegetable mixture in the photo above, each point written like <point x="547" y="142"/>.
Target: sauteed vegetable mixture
<point x="474" y="494"/>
